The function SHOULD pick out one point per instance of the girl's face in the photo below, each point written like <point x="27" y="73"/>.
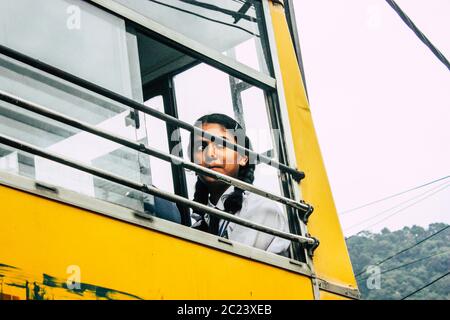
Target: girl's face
<point x="215" y="156"/>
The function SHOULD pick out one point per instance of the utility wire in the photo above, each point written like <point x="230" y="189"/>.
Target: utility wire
<point x="406" y="249"/>
<point x="394" y="195"/>
<point x="425" y="286"/>
<point x="207" y="18"/>
<point x="440" y="188"/>
<point x="409" y="263"/>
<point x="404" y="208"/>
<point x="395" y="207"/>
<point x="418" y="33"/>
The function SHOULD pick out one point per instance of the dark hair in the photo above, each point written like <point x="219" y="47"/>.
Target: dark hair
<point x="233" y="202"/>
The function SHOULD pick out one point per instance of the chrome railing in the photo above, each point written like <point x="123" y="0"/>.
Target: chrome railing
<point x="305" y="209"/>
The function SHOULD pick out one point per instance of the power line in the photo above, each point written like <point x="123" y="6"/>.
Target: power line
<point x="440" y="188"/>
<point x="414" y="245"/>
<point x="404" y="208"/>
<point x="406" y="249"/>
<point x="425" y="286"/>
<point x="409" y="263"/>
<point x="394" y="207"/>
<point x="394" y="195"/>
<point x="418" y="33"/>
<point x="209" y="19"/>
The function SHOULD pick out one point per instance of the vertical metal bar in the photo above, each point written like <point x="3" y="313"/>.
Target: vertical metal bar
<point x="298" y="253"/>
<point x="174" y="137"/>
<point x="236" y="97"/>
<point x="279" y="99"/>
<point x="137" y="95"/>
<point x="292" y="24"/>
<point x="163" y="87"/>
<point x="315" y="288"/>
<point x="264" y="38"/>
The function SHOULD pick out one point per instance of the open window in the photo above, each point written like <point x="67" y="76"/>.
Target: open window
<point x="124" y="57"/>
<point x="101" y="52"/>
<point x="186" y="88"/>
<point x="233" y="28"/>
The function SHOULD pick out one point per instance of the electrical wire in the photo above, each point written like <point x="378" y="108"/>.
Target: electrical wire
<point x="440" y="188"/>
<point x="395" y="207"/>
<point x="409" y="263"/>
<point x="394" y="195"/>
<point x="404" y="208"/>
<point x="426" y="286"/>
<point x="418" y="33"/>
<point x="207" y="18"/>
<point x="406" y="249"/>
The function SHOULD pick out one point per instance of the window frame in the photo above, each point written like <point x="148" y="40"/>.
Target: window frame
<point x="126" y="215"/>
<point x="189" y="46"/>
<point x="163" y="86"/>
<point x="278" y="98"/>
<point x="271" y="86"/>
<point x="274" y="96"/>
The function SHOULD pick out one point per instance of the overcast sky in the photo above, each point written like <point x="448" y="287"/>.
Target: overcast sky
<point x="380" y="101"/>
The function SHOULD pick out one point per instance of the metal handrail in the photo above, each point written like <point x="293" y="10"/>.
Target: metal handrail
<point x="306" y="241"/>
<point x="297" y="175"/>
<point x="36" y="108"/>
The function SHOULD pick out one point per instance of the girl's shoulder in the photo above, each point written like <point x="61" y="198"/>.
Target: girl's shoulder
<point x="256" y="204"/>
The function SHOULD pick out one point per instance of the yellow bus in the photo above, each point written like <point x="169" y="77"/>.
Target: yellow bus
<point x="97" y="102"/>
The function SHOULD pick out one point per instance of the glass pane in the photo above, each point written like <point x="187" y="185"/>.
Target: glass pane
<point x="233" y="27"/>
<point x="69" y="34"/>
<point x="262" y="136"/>
<point x="64" y="140"/>
<point x="202" y="90"/>
<point x="157" y="138"/>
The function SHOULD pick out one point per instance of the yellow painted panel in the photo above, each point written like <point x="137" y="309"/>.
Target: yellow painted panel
<point x="121" y="260"/>
<point x="325" y="295"/>
<point x="331" y="259"/>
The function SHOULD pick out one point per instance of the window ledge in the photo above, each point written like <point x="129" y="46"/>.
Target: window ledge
<point x="97" y="206"/>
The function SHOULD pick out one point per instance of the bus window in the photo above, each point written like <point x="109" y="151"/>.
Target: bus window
<point x="69" y="34"/>
<point x="100" y="51"/>
<point x="189" y="89"/>
<point x="65" y="140"/>
<point x="223" y="25"/>
<point x="203" y="89"/>
<point x="157" y="138"/>
<point x="147" y="69"/>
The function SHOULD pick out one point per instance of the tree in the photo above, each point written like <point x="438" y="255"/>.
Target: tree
<point x="367" y="249"/>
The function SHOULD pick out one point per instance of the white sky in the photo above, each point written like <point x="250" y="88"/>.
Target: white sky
<point x="380" y="101"/>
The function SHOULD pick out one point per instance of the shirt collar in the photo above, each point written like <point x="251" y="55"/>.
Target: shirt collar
<point x="223" y="197"/>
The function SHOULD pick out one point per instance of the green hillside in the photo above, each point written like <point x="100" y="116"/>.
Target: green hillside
<point x="422" y="264"/>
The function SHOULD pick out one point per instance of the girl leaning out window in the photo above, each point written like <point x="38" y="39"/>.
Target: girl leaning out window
<point x="215" y="193"/>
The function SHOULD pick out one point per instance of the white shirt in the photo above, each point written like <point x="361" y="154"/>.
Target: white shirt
<point x="259" y="210"/>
